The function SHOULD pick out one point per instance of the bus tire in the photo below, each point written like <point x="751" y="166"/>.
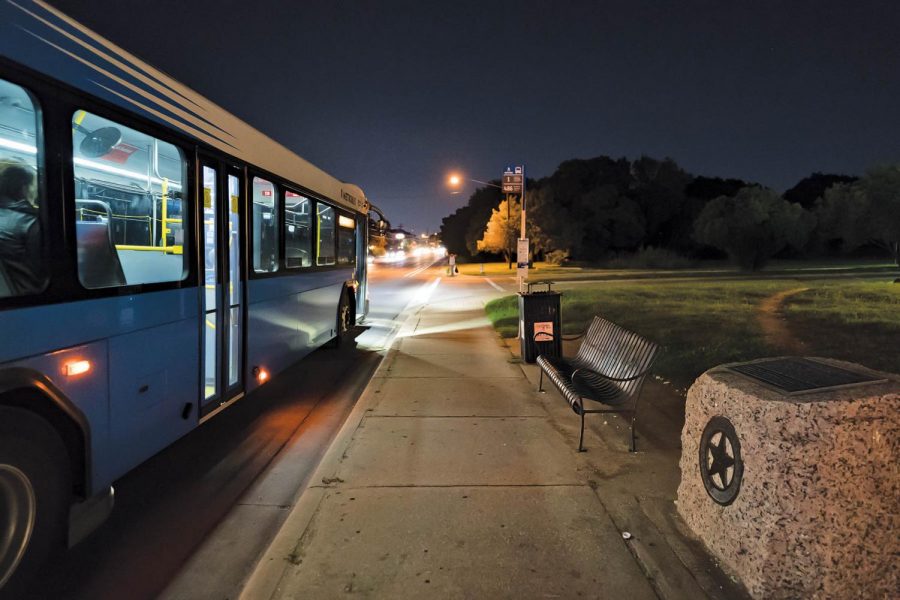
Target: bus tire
<point x="35" y="495"/>
<point x="346" y="319"/>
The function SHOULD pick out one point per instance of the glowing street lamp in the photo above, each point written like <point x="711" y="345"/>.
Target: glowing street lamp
<point x="455" y="181"/>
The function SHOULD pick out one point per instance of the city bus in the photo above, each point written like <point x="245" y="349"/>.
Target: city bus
<point x="159" y="260"/>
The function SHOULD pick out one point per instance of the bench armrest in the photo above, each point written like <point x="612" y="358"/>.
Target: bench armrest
<point x="549" y="337"/>
<point x="580" y="335"/>
<point x="607" y="377"/>
<point x="569" y="338"/>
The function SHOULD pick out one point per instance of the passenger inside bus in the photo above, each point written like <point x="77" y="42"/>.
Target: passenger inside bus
<point x="20" y="232"/>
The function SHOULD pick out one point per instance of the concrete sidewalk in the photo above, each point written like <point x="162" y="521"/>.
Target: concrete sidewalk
<point x="453" y="478"/>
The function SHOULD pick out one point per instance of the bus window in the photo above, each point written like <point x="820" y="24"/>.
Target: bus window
<point x="265" y="226"/>
<point x="325" y="255"/>
<point x="129" y="205"/>
<point x="297" y="223"/>
<point x="21" y="256"/>
<point x="346" y="240"/>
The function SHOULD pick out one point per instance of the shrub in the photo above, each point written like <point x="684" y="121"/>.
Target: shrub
<point x="557" y="257"/>
<point x="649" y="258"/>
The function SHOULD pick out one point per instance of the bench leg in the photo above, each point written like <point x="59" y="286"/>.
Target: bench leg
<point x="581" y="438"/>
<point x="632" y="432"/>
<point x="541" y="384"/>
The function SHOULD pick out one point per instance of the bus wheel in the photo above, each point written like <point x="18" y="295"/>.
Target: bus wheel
<point x="35" y="494"/>
<point x="345" y="319"/>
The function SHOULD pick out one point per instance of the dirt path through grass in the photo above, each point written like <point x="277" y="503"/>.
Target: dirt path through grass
<point x="708" y="323"/>
<point x="774" y="324"/>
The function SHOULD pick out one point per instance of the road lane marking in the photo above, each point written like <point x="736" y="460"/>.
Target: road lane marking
<point x="420" y="269"/>
<point x="496" y="287"/>
<point x="424" y="294"/>
<point x="382" y="332"/>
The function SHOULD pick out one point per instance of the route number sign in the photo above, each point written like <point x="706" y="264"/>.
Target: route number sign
<point x="513" y="178"/>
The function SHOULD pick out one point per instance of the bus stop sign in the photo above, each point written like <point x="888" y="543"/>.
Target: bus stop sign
<point x="512" y="179"/>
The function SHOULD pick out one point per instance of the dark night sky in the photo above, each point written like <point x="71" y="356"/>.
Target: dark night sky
<point x="393" y="95"/>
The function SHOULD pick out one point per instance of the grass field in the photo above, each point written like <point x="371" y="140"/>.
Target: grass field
<point x="706" y="322"/>
<point x="858" y="321"/>
<point x="578" y="272"/>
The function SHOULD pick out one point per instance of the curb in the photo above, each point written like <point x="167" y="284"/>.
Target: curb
<point x="266" y="577"/>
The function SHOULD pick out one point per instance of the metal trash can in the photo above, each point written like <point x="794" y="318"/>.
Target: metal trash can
<point x="539" y="322"/>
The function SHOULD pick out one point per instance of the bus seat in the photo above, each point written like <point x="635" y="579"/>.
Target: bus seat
<point x="5" y="285"/>
<point x="98" y="260"/>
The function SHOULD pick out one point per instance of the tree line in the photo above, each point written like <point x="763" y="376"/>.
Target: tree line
<point x="594" y="209"/>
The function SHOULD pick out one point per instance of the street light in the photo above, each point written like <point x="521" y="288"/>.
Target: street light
<point x="455" y="180"/>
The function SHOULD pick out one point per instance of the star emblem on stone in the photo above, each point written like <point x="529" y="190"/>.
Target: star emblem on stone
<point x="721" y="466"/>
<point x="720" y="460"/>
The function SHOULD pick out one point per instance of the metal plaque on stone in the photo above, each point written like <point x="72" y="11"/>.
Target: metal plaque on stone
<point x="795" y="375"/>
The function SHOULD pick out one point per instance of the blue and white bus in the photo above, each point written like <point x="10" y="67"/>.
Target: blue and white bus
<point x="159" y="259"/>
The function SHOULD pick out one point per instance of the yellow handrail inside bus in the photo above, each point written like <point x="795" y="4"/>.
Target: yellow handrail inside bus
<point x="165" y="207"/>
<point x="165" y="221"/>
<point x="168" y="249"/>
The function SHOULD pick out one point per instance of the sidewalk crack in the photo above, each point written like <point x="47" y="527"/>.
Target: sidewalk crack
<point x="453" y="485"/>
<point x="375" y="416"/>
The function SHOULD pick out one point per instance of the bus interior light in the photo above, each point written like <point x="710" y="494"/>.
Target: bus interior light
<point x="346" y="222"/>
<point x="89" y="164"/>
<point x="77" y="367"/>
<point x="18" y="146"/>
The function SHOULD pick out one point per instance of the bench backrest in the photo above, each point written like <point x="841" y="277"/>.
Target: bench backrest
<point x="617" y="352"/>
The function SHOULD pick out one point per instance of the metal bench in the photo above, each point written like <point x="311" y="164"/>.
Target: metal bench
<point x="609" y="369"/>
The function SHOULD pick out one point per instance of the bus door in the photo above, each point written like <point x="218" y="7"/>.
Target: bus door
<point x="223" y="318"/>
<point x="362" y="265"/>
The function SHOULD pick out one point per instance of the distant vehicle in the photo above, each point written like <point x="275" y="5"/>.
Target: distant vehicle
<point x="159" y="259"/>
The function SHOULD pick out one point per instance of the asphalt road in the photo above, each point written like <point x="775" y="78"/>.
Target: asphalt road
<point x="192" y="521"/>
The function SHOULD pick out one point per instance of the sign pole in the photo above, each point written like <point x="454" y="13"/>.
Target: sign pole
<point x="509" y="198"/>
<point x="525" y="276"/>
<point x="523" y="206"/>
<point x="514" y="184"/>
